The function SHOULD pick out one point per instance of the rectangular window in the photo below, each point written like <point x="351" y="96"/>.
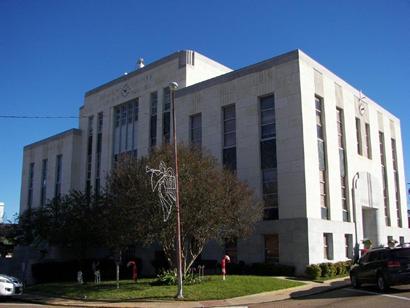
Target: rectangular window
<point x="124" y="135"/>
<point x="30" y="186"/>
<point x="166" y="115"/>
<point x="396" y="182"/>
<point x="401" y="240"/>
<point x="368" y="148"/>
<point x="384" y="179"/>
<point x="117" y="117"/>
<point x="342" y="164"/>
<point x="153" y="120"/>
<point x="136" y="108"/>
<point x="130" y="117"/>
<point x="328" y="246"/>
<point x="271" y="248"/>
<point x="268" y="125"/>
<point x="321" y="144"/>
<point x="89" y="155"/>
<point x="229" y="137"/>
<point x="268" y="158"/>
<point x="43" y="194"/>
<point x="123" y="114"/>
<point x="196" y="129"/>
<point x="349" y="246"/>
<point x="59" y="170"/>
<point x="359" y="137"/>
<point x="99" y="146"/>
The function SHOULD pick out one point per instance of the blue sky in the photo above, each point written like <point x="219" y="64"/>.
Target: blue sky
<point x="52" y="52"/>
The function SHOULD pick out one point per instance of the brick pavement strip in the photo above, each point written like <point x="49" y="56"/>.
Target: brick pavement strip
<point x="310" y="288"/>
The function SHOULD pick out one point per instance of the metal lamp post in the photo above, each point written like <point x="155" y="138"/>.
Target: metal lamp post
<point x="354" y="188"/>
<point x="173" y="86"/>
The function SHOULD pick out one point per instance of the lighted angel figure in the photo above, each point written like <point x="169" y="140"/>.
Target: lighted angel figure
<point x="163" y="181"/>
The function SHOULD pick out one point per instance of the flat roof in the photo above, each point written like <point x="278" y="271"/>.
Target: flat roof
<point x="260" y="66"/>
<point x="136" y="72"/>
<point x="72" y="131"/>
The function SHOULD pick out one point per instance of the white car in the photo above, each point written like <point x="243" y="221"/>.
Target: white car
<point x="10" y="286"/>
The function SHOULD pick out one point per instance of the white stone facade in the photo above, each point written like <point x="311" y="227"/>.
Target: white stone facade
<point x="206" y="88"/>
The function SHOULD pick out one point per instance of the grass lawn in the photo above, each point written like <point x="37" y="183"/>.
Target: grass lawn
<point x="211" y="288"/>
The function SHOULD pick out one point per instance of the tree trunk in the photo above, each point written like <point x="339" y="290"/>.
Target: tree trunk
<point x="118" y="274"/>
<point x="117" y="263"/>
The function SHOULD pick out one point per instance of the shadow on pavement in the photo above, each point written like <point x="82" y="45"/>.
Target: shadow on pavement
<point x="343" y="289"/>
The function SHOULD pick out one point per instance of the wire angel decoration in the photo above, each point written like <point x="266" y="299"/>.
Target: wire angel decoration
<point x="163" y="180"/>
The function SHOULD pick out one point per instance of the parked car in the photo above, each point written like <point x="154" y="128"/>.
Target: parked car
<point x="10" y="286"/>
<point x="382" y="266"/>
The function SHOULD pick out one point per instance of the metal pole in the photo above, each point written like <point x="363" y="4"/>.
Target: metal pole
<point x="354" y="187"/>
<point x="173" y="86"/>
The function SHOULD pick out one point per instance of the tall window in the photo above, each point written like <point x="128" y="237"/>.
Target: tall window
<point x="98" y="150"/>
<point x="30" y="186"/>
<point x="271" y="248"/>
<point x="384" y="179"/>
<point x="359" y="137"/>
<point x="268" y="157"/>
<point x="59" y="170"/>
<point x="328" y="246"/>
<point x="196" y="129"/>
<point x="368" y="148"/>
<point x="125" y="129"/>
<point x="349" y="246"/>
<point x="153" y="121"/>
<point x="321" y="144"/>
<point x="229" y="137"/>
<point x="89" y="155"/>
<point x="396" y="182"/>
<point x="166" y="115"/>
<point x="342" y="163"/>
<point x="43" y="193"/>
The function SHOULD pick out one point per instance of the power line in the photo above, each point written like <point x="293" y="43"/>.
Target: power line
<point x="37" y="117"/>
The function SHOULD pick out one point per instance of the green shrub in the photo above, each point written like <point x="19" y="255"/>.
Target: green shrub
<point x="325" y="269"/>
<point x="169" y="278"/>
<point x="338" y="268"/>
<point x="347" y="265"/>
<point x="332" y="269"/>
<point x="344" y="269"/>
<point x="313" y="271"/>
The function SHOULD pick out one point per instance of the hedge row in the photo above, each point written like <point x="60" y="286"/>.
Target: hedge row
<point x="315" y="271"/>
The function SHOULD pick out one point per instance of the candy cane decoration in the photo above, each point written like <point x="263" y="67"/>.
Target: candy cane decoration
<point x="134" y="270"/>
<point x="224" y="260"/>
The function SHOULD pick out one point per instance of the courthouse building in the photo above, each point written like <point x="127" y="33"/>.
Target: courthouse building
<point x="327" y="161"/>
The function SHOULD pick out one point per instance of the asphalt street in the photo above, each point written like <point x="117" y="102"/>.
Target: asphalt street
<point x="397" y="297"/>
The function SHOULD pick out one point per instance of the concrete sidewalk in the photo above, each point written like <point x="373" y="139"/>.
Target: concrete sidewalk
<point x="310" y="288"/>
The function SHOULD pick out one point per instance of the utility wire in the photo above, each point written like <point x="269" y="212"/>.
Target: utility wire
<point x="38" y="117"/>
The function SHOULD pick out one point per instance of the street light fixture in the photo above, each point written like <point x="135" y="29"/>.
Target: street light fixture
<point x="173" y="86"/>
